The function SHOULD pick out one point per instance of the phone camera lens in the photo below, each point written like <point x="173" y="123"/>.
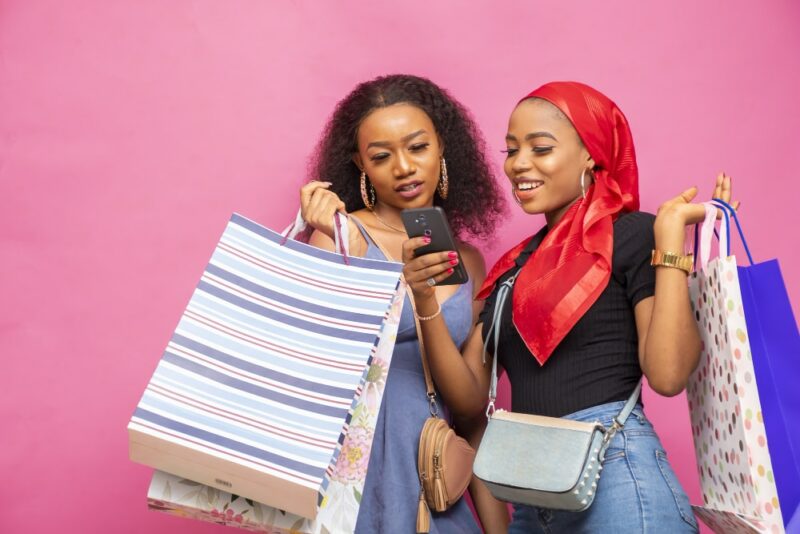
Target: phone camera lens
<point x="427" y="232"/>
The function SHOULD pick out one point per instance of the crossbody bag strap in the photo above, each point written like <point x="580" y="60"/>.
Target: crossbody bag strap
<point x="630" y="404"/>
<point x="431" y="392"/>
<point x="494" y="332"/>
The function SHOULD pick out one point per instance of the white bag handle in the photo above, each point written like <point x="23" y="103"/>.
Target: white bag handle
<point x="707" y="235"/>
<point x="341" y="232"/>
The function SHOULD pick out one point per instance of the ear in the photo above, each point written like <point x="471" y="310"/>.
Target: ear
<point x="358" y="161"/>
<point x="441" y="144"/>
<point x="590" y="164"/>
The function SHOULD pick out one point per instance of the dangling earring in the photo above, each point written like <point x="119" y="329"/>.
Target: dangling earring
<point x="583" y="186"/>
<point x="444" y="184"/>
<point x="367" y="197"/>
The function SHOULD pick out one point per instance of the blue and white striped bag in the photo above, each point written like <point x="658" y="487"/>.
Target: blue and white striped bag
<point x="256" y="388"/>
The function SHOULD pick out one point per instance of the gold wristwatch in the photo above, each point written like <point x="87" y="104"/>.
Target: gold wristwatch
<point x="670" y="259"/>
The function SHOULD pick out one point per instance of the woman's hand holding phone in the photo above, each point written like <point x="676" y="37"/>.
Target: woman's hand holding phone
<point x="423" y="273"/>
<point x="430" y="254"/>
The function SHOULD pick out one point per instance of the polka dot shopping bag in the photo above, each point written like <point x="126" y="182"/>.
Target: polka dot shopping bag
<point x="742" y="405"/>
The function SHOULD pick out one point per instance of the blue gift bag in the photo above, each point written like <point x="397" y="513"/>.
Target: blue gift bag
<point x="775" y="346"/>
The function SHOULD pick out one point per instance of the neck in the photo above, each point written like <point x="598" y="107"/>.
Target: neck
<point x="388" y="218"/>
<point x="554" y="217"/>
<point x="388" y="213"/>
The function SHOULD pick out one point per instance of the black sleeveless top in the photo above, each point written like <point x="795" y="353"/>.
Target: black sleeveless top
<point x="598" y="360"/>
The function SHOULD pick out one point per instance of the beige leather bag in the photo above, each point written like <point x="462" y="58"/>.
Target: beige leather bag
<point x="444" y="464"/>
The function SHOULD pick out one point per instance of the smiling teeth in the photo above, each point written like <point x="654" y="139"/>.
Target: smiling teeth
<point x="524" y="186"/>
<point x="408" y="187"/>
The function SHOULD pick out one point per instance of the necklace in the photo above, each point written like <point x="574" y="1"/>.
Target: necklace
<point x="387" y="225"/>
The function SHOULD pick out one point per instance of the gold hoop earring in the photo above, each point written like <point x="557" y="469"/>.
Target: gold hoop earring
<point x="367" y="192"/>
<point x="444" y="183"/>
<point x="583" y="186"/>
<point x="516" y="198"/>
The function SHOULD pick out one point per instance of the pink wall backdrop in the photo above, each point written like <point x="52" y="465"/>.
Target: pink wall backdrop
<point x="129" y="131"/>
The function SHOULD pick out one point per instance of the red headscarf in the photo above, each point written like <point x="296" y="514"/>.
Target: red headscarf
<point x="571" y="267"/>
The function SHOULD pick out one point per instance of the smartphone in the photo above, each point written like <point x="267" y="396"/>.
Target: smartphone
<point x="431" y="222"/>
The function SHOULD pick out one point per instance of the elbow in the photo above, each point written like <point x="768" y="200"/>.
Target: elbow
<point x="470" y="404"/>
<point x="474" y="409"/>
<point x="669" y="381"/>
<point x="669" y="373"/>
<point x="667" y="387"/>
<point x="467" y="407"/>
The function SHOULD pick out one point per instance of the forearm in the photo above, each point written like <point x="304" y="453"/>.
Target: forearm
<point x="460" y="387"/>
<point x="672" y="348"/>
<point x="493" y="514"/>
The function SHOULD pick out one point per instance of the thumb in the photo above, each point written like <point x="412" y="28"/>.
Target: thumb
<point x="689" y="194"/>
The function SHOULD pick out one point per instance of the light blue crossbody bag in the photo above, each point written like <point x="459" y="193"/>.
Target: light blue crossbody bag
<point x="546" y="462"/>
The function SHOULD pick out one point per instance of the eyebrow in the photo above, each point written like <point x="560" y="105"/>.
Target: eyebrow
<point x="533" y="135"/>
<point x="405" y="139"/>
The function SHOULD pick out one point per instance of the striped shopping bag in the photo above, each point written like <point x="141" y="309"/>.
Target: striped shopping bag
<point x="256" y="388"/>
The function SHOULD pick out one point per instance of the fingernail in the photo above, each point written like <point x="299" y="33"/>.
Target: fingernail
<point x="452" y="254"/>
<point x="450" y="271"/>
<point x="454" y="262"/>
<point x="426" y="239"/>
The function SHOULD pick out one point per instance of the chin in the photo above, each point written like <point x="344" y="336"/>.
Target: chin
<point x="531" y="209"/>
<point x="419" y="202"/>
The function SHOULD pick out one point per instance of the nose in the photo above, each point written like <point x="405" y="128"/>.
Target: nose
<point x="403" y="166"/>
<point x="521" y="162"/>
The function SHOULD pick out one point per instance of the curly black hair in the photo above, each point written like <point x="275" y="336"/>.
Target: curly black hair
<point x="474" y="204"/>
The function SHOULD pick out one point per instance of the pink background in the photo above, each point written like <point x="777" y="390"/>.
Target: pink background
<point x="129" y="131"/>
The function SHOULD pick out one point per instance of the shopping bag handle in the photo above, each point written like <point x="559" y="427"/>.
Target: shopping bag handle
<point x="729" y="212"/>
<point x="704" y="232"/>
<point x="341" y="233"/>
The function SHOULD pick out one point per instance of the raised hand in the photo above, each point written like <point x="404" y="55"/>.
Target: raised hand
<point x="675" y="214"/>
<point x="318" y="205"/>
<point x="681" y="211"/>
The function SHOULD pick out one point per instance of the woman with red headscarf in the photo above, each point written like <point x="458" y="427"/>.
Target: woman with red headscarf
<point x="600" y="298"/>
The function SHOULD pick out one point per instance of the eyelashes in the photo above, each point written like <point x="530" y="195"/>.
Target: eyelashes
<point x="536" y="150"/>
<point x="417" y="147"/>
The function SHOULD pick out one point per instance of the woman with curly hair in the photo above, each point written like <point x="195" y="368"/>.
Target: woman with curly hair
<point x="393" y="143"/>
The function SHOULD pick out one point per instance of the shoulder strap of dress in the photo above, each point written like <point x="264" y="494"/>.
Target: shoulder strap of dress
<point x="367" y="236"/>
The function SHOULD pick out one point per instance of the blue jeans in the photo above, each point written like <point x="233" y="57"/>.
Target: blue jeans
<point x="637" y="492"/>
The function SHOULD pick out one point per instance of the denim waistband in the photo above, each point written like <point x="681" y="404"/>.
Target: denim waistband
<point x="604" y="412"/>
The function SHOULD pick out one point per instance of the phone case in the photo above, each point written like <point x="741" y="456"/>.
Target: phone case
<point x="432" y="222"/>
